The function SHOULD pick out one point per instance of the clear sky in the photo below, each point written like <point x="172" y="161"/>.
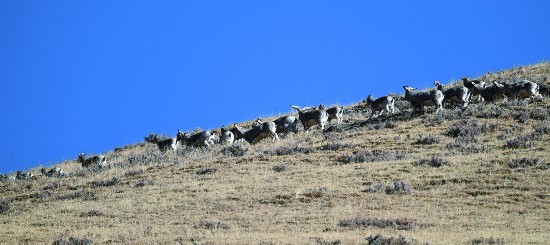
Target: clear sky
<point x="87" y="76"/>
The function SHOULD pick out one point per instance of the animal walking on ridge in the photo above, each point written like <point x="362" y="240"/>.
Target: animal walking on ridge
<point x="421" y="99"/>
<point x="312" y="117"/>
<point x="378" y="106"/>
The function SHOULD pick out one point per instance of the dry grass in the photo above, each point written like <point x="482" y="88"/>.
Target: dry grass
<point x="467" y="185"/>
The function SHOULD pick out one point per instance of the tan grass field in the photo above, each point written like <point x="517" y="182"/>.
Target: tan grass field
<point x="314" y="188"/>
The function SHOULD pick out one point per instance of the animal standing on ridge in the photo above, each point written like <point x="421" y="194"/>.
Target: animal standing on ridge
<point x="421" y="99"/>
<point x="92" y="162"/>
<point x="337" y="113"/>
<point x="205" y="138"/>
<point x="312" y="117"/>
<point x="257" y="132"/>
<point x="378" y="106"/>
<point x="455" y="95"/>
<point x="522" y="89"/>
<point x="287" y="124"/>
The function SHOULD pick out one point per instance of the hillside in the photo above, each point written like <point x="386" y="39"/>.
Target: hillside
<point x="478" y="176"/>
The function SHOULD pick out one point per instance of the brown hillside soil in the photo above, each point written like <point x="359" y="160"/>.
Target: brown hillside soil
<point x="477" y="176"/>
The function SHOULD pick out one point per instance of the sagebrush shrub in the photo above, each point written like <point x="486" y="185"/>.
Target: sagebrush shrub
<point x="373" y="188"/>
<point x="544" y="89"/>
<point x="542" y="128"/>
<point x="52" y="186"/>
<point x="149" y="157"/>
<point x="92" y="213"/>
<point x="539" y="114"/>
<point x="320" y="241"/>
<point x="73" y="241"/>
<point x="84" y="195"/>
<point x="466" y="134"/>
<point x="523" y="141"/>
<point x="486" y="110"/>
<point x="144" y="182"/>
<point x="490" y="240"/>
<point x="335" y="128"/>
<point x="42" y="194"/>
<point x="399" y="187"/>
<point x="390" y="124"/>
<point x="361" y="222"/>
<point x="373" y="156"/>
<point x="469" y="129"/>
<point x="316" y="192"/>
<point x="104" y="183"/>
<point x="401" y="240"/>
<point x="431" y="120"/>
<point x="427" y="140"/>
<point x="466" y="147"/>
<point x="381" y="125"/>
<point x="434" y="162"/>
<point x="402" y="104"/>
<point x="451" y="114"/>
<point x="4" y="205"/>
<point x="234" y="150"/>
<point x="289" y="150"/>
<point x="204" y="171"/>
<point x="334" y="146"/>
<point x="523" y="117"/>
<point x="523" y="162"/>
<point x="212" y="225"/>
<point x="280" y="168"/>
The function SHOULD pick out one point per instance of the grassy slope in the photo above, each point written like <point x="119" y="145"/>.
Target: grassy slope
<point x="477" y="196"/>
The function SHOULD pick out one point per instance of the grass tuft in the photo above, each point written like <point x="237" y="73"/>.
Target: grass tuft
<point x="321" y="241"/>
<point x="73" y="241"/>
<point x="280" y="168"/>
<point x="361" y="222"/>
<point x="334" y="146"/>
<point x="524" y="162"/>
<point x="42" y="194"/>
<point x="523" y="117"/>
<point x="5" y="206"/>
<point x="373" y="188"/>
<point x="542" y="128"/>
<point x="382" y="125"/>
<point x="522" y="141"/>
<point x="289" y="150"/>
<point x="91" y="213"/>
<point x="468" y="129"/>
<point x="427" y="140"/>
<point x="399" y="187"/>
<point x="373" y="156"/>
<point x="212" y="225"/>
<point x="435" y="162"/>
<point x="539" y="114"/>
<point x="491" y="240"/>
<point x="381" y="240"/>
<point x="234" y="150"/>
<point x="144" y="182"/>
<point x="204" y="171"/>
<point x="84" y="195"/>
<point x="104" y="183"/>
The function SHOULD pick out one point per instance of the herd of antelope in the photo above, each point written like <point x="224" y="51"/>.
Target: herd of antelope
<point x="470" y="90"/>
<point x="461" y="95"/>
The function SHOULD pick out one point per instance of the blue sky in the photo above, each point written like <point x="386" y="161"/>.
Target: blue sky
<point x="87" y="76"/>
